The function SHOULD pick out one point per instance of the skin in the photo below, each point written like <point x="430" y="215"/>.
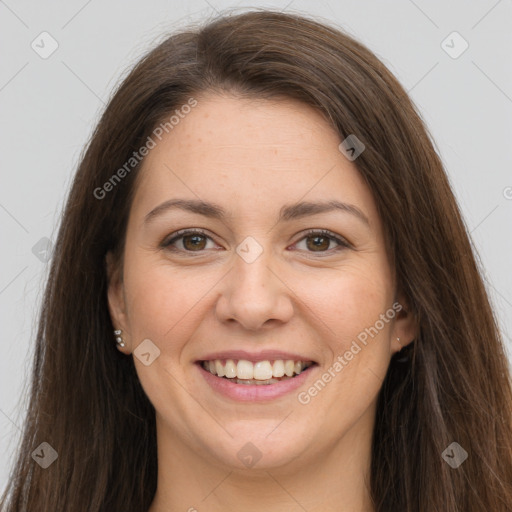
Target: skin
<point x="252" y="157"/>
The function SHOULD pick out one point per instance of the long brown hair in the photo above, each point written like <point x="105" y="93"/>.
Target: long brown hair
<point x="452" y="384"/>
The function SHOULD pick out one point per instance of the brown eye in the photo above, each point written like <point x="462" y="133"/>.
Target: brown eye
<point x="197" y="241"/>
<point x="318" y="242"/>
<point x="193" y="242"/>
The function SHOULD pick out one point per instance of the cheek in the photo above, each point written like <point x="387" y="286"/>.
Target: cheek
<point x="156" y="301"/>
<point x="164" y="302"/>
<point x="350" y="300"/>
<point x="357" y="339"/>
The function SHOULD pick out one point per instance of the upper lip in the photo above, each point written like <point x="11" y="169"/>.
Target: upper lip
<point x="264" y="355"/>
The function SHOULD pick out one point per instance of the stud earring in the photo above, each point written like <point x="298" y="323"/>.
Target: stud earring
<point x="119" y="339"/>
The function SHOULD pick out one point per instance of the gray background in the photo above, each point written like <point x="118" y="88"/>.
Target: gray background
<point x="50" y="106"/>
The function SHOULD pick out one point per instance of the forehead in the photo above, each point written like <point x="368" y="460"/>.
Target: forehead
<point x="228" y="126"/>
<point x="256" y="153"/>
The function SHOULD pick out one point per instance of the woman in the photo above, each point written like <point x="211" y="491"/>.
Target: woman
<point x="263" y="296"/>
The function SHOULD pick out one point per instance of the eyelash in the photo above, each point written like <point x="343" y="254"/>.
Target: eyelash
<point x="343" y="244"/>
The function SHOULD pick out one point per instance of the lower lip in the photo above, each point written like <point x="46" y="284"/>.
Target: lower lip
<point x="254" y="392"/>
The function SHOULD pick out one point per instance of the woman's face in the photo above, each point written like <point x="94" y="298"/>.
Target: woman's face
<point x="248" y="282"/>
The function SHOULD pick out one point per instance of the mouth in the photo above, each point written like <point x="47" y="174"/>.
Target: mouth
<point x="258" y="373"/>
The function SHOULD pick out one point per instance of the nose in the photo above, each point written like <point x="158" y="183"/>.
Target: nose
<point x="254" y="295"/>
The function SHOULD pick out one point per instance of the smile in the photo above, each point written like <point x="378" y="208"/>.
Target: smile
<point x="250" y="382"/>
<point x="266" y="372"/>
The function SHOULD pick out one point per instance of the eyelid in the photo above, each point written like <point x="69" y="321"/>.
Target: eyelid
<point x="341" y="241"/>
<point x="181" y="233"/>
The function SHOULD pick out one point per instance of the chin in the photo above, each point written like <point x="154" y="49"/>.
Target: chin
<point x="259" y="449"/>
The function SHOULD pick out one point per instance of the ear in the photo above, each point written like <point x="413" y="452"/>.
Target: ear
<point x="116" y="298"/>
<point x="406" y="325"/>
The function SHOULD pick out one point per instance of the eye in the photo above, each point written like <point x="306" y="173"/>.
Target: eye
<point x="192" y="240"/>
<point x="196" y="240"/>
<point x="320" y="240"/>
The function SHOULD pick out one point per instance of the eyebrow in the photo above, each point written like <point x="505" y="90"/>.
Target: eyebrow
<point x="286" y="213"/>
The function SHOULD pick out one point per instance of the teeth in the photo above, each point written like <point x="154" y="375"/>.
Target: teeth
<point x="219" y="369"/>
<point x="262" y="370"/>
<point x="244" y="372"/>
<point x="256" y="382"/>
<point x="289" y="367"/>
<point x="229" y="369"/>
<point x="278" y="369"/>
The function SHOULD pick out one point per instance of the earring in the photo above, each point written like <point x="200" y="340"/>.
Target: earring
<point x="119" y="340"/>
